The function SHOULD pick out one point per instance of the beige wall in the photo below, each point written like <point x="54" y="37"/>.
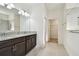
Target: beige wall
<point x="53" y="29"/>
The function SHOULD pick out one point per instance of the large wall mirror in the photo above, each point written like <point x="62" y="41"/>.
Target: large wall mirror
<point x="10" y="20"/>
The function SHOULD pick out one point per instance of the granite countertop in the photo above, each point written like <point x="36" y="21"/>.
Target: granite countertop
<point x="11" y="36"/>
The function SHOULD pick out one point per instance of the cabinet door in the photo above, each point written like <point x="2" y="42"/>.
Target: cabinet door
<point x="33" y="38"/>
<point x="19" y="49"/>
<point x="28" y="44"/>
<point x="7" y="51"/>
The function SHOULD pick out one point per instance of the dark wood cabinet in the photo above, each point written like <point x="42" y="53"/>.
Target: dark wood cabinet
<point x="6" y="51"/>
<point x="17" y="46"/>
<point x="33" y="39"/>
<point x="19" y="49"/>
<point x="30" y="42"/>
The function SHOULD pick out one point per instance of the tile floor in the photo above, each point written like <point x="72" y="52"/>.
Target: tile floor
<point x="51" y="49"/>
<point x="53" y="40"/>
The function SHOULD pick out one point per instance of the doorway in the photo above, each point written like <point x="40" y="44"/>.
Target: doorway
<point x="53" y="30"/>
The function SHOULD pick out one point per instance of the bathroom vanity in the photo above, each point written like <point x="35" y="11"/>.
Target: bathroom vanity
<point x="16" y="39"/>
<point x="18" y="45"/>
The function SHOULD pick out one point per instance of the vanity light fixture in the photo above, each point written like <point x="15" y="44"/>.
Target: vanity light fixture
<point x="23" y="12"/>
<point x="10" y="6"/>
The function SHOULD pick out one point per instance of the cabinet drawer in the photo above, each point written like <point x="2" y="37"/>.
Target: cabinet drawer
<point x="17" y="40"/>
<point x="5" y="43"/>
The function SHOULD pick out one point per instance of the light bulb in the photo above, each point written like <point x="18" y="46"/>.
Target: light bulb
<point x="19" y="12"/>
<point x="26" y="14"/>
<point x="9" y="7"/>
<point x="12" y="5"/>
<point x="22" y="12"/>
